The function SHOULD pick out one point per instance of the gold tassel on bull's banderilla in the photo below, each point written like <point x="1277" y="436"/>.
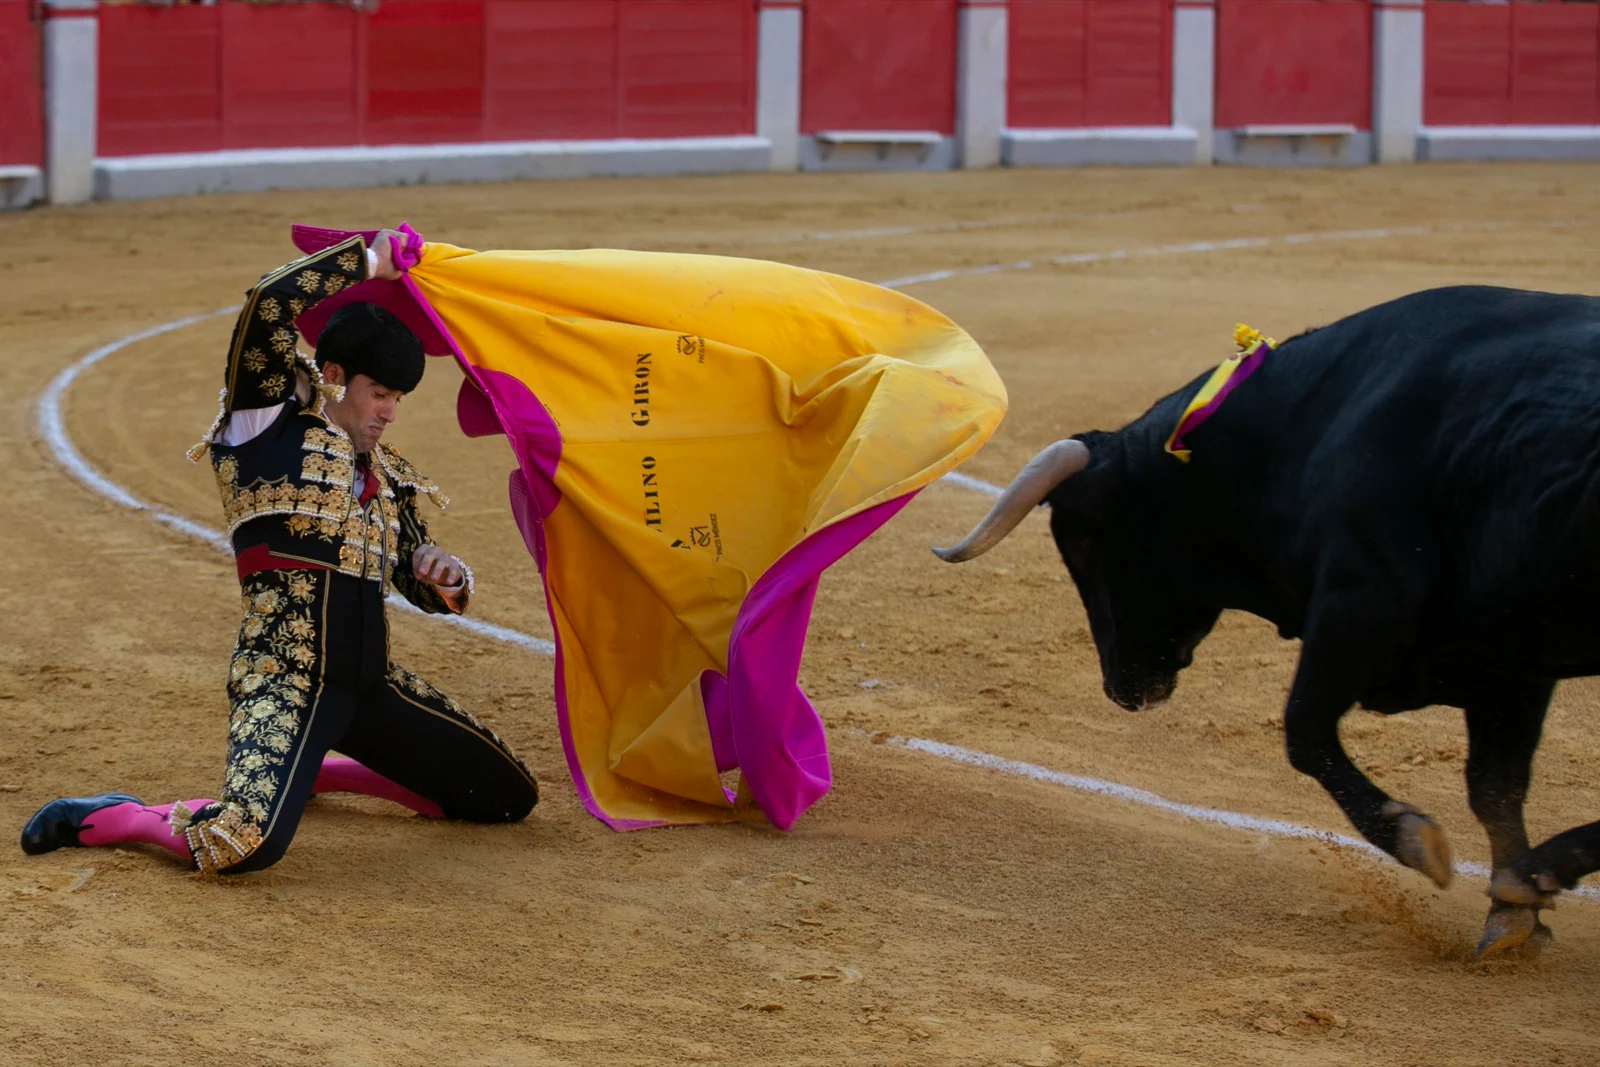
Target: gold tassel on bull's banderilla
<point x="1247" y="337"/>
<point x="1253" y="349"/>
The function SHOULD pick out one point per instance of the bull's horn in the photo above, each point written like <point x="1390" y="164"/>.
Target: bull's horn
<point x="1027" y="490"/>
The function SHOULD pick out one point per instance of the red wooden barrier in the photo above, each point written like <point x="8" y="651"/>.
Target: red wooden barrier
<point x="553" y="71"/>
<point x="1517" y="64"/>
<point x="425" y="64"/>
<point x="878" y="65"/>
<point x="688" y="68"/>
<point x="1555" y="53"/>
<point x="193" y="79"/>
<point x="160" y="79"/>
<point x="636" y="68"/>
<point x="1089" y="63"/>
<point x="288" y="76"/>
<point x="1295" y="62"/>
<point x="1466" y="64"/>
<point x="21" y="124"/>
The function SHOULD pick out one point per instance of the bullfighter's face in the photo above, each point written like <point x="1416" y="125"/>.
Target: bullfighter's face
<point x="366" y="409"/>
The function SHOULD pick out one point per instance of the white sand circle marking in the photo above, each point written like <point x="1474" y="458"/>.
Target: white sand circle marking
<point x="1215" y="816"/>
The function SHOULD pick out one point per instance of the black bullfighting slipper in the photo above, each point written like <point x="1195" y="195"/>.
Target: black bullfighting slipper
<point x="56" y="825"/>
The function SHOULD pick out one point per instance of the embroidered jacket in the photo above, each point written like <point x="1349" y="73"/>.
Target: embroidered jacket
<point x="291" y="488"/>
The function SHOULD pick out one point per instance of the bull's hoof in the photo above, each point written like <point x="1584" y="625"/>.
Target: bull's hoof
<point x="1419" y="843"/>
<point x="1509" y="887"/>
<point x="1513" y="928"/>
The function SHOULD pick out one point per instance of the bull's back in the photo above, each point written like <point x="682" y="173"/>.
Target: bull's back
<point x="1454" y="435"/>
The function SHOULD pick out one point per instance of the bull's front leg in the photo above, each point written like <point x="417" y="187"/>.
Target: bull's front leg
<point x="1335" y="662"/>
<point x="1503" y="731"/>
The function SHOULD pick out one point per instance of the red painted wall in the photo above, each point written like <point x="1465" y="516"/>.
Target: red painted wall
<point x="688" y="68"/>
<point x="1517" y="64"/>
<point x="639" y="68"/>
<point x="424" y="71"/>
<point x="195" y="79"/>
<point x="1294" y="61"/>
<point x="21" y="121"/>
<point x="554" y="72"/>
<point x="287" y="76"/>
<point x="1090" y="63"/>
<point x="160" y="80"/>
<point x="878" y="65"/>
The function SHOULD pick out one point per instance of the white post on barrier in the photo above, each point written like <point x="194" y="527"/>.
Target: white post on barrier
<point x="71" y="98"/>
<point x="1397" y="50"/>
<point x="982" y="43"/>
<point x="778" y="34"/>
<point x="1194" y="63"/>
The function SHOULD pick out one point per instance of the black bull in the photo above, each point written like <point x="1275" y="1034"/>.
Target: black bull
<point x="1414" y="492"/>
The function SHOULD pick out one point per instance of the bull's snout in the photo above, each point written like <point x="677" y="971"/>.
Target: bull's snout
<point x="1142" y="695"/>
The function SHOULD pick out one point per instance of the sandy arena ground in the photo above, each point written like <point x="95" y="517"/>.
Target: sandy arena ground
<point x="925" y="912"/>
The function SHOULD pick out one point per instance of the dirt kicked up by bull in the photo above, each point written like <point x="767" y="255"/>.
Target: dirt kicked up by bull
<point x="1414" y="493"/>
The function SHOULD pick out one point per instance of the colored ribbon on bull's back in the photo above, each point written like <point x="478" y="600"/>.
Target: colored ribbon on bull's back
<point x="697" y="438"/>
<point x="1230" y="373"/>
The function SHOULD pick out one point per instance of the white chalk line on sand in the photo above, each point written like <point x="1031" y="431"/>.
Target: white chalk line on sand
<point x="1215" y="816"/>
<point x="964" y="226"/>
<point x="1196" y="247"/>
<point x="52" y="428"/>
<point x="977" y="485"/>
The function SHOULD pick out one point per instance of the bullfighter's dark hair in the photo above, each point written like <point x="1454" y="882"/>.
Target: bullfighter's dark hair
<point x="364" y="338"/>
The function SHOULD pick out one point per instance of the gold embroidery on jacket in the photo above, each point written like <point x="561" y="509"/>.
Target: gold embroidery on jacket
<point x="296" y="306"/>
<point x="324" y="505"/>
<point x="401" y="472"/>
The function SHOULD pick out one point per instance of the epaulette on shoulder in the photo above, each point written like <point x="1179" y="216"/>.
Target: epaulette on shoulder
<point x="400" y="471"/>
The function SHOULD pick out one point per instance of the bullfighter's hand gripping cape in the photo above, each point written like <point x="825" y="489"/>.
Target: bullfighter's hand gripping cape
<point x="697" y="438"/>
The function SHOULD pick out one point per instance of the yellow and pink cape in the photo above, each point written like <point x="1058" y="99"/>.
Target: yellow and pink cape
<point x="697" y="438"/>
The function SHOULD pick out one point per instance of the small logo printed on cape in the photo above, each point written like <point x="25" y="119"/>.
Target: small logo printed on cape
<point x="652" y="495"/>
<point x="707" y="536"/>
<point x="640" y="415"/>
<point x="690" y="345"/>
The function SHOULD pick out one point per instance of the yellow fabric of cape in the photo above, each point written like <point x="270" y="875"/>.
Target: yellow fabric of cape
<point x="713" y="414"/>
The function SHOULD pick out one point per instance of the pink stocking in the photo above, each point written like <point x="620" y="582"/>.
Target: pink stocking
<point x="127" y="823"/>
<point x="340" y="775"/>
